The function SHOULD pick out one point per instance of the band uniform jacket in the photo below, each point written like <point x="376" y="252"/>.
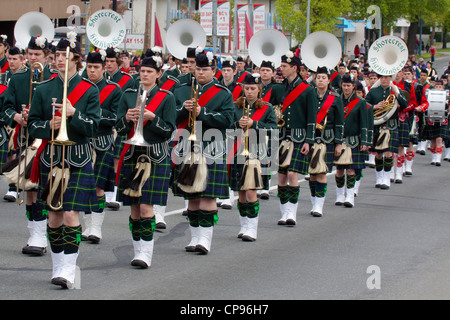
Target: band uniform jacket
<point x="356" y="126"/>
<point x="334" y="129"/>
<point x="377" y="94"/>
<point x="117" y="78"/>
<point x="300" y="115"/>
<point x="81" y="126"/>
<point x="156" y="132"/>
<point x="273" y="93"/>
<point x="217" y="114"/>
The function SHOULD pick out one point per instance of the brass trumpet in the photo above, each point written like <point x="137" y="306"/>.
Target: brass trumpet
<point x="246" y="113"/>
<point x="61" y="140"/>
<point x="388" y="104"/>
<point x="193" y="114"/>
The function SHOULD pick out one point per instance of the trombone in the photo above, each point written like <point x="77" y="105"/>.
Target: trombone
<point x="35" y="69"/>
<point x="193" y="113"/>
<point x="61" y="140"/>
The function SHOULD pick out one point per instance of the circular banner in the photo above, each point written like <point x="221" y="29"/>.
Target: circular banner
<point x="105" y="29"/>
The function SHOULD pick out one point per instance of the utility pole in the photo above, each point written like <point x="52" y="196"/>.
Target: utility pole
<point x="148" y="25"/>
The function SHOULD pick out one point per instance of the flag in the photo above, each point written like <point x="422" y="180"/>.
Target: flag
<point x="158" y="39"/>
<point x="238" y="35"/>
<point x="248" y="30"/>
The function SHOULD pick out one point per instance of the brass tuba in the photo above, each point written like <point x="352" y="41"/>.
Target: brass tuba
<point x="321" y="49"/>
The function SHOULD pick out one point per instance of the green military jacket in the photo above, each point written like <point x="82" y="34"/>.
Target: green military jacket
<point x="117" y="78"/>
<point x="104" y="136"/>
<point x="356" y="122"/>
<point x="378" y="94"/>
<point x="3" y="134"/>
<point x="300" y="115"/>
<point x="18" y="93"/>
<point x="81" y="126"/>
<point x="274" y="92"/>
<point x="239" y="74"/>
<point x="334" y="129"/>
<point x="156" y="132"/>
<point x="184" y="78"/>
<point x="217" y="115"/>
<point x="173" y="72"/>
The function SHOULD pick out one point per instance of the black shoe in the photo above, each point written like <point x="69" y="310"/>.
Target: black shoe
<point x="201" y="249"/>
<point x="384" y="187"/>
<point x="348" y="204"/>
<point x="160" y="225"/>
<point x="114" y="205"/>
<point x="59" y="281"/>
<point x="264" y="196"/>
<point x="139" y="263"/>
<point x="433" y="163"/>
<point x="438" y="164"/>
<point x="93" y="239"/>
<point x="316" y="214"/>
<point x="408" y="173"/>
<point x="34" y="251"/>
<point x="290" y="222"/>
<point x="398" y="181"/>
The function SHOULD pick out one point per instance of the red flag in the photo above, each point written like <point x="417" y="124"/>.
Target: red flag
<point x="248" y="30"/>
<point x="158" y="39"/>
<point x="238" y="37"/>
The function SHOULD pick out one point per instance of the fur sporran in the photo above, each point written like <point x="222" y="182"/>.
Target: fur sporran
<point x="383" y="139"/>
<point x="285" y="152"/>
<point x="346" y="156"/>
<point x="133" y="184"/>
<point x="317" y="163"/>
<point x="60" y="179"/>
<point x="11" y="170"/>
<point x="251" y="178"/>
<point x="193" y="175"/>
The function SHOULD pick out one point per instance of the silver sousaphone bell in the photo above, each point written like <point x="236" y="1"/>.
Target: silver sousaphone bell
<point x="321" y="49"/>
<point x="267" y="45"/>
<point x="183" y="34"/>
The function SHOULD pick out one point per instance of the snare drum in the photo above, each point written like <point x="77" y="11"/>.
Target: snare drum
<point x="437" y="109"/>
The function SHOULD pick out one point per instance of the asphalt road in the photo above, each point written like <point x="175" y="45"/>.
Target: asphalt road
<point x="394" y="244"/>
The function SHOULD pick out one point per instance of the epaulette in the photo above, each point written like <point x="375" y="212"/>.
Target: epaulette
<point x="130" y="90"/>
<point x="334" y="94"/>
<point x="166" y="91"/>
<point x="87" y="80"/>
<point x="222" y="86"/>
<point x="45" y="81"/>
<point x="123" y="72"/>
<point x="173" y="78"/>
<point x="112" y="82"/>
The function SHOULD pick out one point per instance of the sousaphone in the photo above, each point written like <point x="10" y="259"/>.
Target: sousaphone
<point x="106" y="29"/>
<point x="183" y="34"/>
<point x="267" y="45"/>
<point x="32" y="24"/>
<point x="321" y="49"/>
<point x="387" y="56"/>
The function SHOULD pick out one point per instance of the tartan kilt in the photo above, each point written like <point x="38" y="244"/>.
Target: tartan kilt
<point x="235" y="173"/>
<point x="104" y="170"/>
<point x="403" y="133"/>
<point x="118" y="146"/>
<point x="155" y="189"/>
<point x="435" y="131"/>
<point x="359" y="159"/>
<point x="393" y="142"/>
<point x="4" y="154"/>
<point x="217" y="182"/>
<point x="80" y="194"/>
<point x="299" y="162"/>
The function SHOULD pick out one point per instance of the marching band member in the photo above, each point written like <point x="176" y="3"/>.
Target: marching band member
<point x="356" y="138"/>
<point x="215" y="112"/>
<point x="18" y="95"/>
<point x="186" y="77"/>
<point x="83" y="116"/>
<point x="144" y="171"/>
<point x="299" y="113"/>
<point x="272" y="92"/>
<point x="4" y="64"/>
<point x="241" y="70"/>
<point x="436" y="131"/>
<point x="251" y="113"/>
<point x="420" y="87"/>
<point x="4" y="137"/>
<point x="328" y="139"/>
<point x="404" y="126"/>
<point x="125" y="81"/>
<point x="385" y="147"/>
<point x="102" y="142"/>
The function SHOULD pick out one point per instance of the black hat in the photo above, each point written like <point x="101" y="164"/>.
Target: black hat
<point x="111" y="53"/>
<point x="408" y="69"/>
<point x="254" y="78"/>
<point x="184" y="61"/>
<point x="323" y="70"/>
<point x="14" y="51"/>
<point x="71" y="42"/>
<point x="38" y="43"/>
<point x="204" y="59"/>
<point x="124" y="53"/>
<point x="229" y="63"/>
<point x="439" y="81"/>
<point x="239" y="58"/>
<point x="154" y="62"/>
<point x="190" y="53"/>
<point x="346" y="78"/>
<point x="267" y="64"/>
<point x="3" y="38"/>
<point x="96" y="57"/>
<point x="292" y="59"/>
<point x="424" y="70"/>
<point x="359" y="86"/>
<point x="155" y="51"/>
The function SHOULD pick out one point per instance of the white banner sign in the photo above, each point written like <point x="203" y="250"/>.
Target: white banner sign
<point x="133" y="41"/>
<point x="222" y="17"/>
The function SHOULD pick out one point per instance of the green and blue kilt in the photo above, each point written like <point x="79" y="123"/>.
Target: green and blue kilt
<point x="413" y="138"/>
<point x="118" y="146"/>
<point x="403" y="133"/>
<point x="393" y="142"/>
<point x="329" y="156"/>
<point x="299" y="162"/>
<point x="3" y="154"/>
<point x="104" y="170"/>
<point x="435" y="131"/>
<point x="217" y="182"/>
<point x="155" y="189"/>
<point x="235" y="174"/>
<point x="358" y="157"/>
<point x="80" y="194"/>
